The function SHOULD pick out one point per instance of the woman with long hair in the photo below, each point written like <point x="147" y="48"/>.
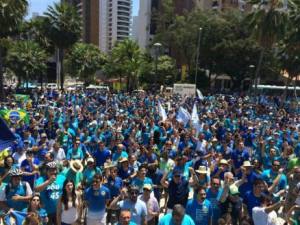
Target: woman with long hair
<point x="9" y="163"/>
<point x="68" y="207"/>
<point x="34" y="207"/>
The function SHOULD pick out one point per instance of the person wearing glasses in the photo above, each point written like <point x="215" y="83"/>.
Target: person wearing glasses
<point x="136" y="206"/>
<point x="96" y="198"/>
<point x="34" y="206"/>
<point x="199" y="208"/>
<point x="213" y="194"/>
<point x="177" y="189"/>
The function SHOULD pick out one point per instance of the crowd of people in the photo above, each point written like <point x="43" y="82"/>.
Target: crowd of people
<point x="88" y="157"/>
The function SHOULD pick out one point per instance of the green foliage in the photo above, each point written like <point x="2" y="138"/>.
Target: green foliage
<point x="63" y="25"/>
<point x="84" y="60"/>
<point x="27" y="60"/>
<point x="12" y="13"/>
<point x="125" y="61"/>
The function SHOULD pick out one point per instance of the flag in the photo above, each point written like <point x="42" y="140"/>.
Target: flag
<point x="200" y="95"/>
<point x="183" y="116"/>
<point x="162" y="111"/>
<point x="7" y="138"/>
<point x="195" y="118"/>
<point x="14" y="116"/>
<point x="21" y="98"/>
<point x="15" y="217"/>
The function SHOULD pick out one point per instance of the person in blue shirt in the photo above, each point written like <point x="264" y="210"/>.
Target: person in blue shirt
<point x="269" y="176"/>
<point x="97" y="198"/>
<point x="50" y="186"/>
<point x="120" y="153"/>
<point x="16" y="193"/>
<point x="89" y="171"/>
<point x="213" y="194"/>
<point x="239" y="155"/>
<point x="29" y="167"/>
<point x="177" y="217"/>
<point x="75" y="152"/>
<point x="140" y="180"/>
<point x="102" y="154"/>
<point x="199" y="208"/>
<point x="35" y="206"/>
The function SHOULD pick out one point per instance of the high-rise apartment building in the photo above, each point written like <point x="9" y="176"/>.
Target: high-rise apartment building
<point x="104" y="21"/>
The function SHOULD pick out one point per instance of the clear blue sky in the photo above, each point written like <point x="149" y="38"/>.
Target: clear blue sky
<point x="40" y="6"/>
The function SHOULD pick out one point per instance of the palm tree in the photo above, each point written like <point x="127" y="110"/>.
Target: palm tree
<point x="27" y="60"/>
<point x="268" y="21"/>
<point x="12" y="13"/>
<point x="64" y="29"/>
<point x="128" y="55"/>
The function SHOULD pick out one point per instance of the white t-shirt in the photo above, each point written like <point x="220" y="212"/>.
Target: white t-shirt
<point x="59" y="155"/>
<point x="19" y="158"/>
<point x="260" y="217"/>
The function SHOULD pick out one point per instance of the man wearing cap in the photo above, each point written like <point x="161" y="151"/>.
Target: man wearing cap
<point x="137" y="207"/>
<point x="16" y="193"/>
<point x="50" y="186"/>
<point x="199" y="208"/>
<point x="151" y="203"/>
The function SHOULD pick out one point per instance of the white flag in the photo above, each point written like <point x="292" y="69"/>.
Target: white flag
<point x="200" y="95"/>
<point x="162" y="112"/>
<point x="195" y="118"/>
<point x="183" y="116"/>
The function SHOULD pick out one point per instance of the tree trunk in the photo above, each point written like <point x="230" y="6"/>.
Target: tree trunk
<point x="257" y="72"/>
<point x="62" y="75"/>
<point x="1" y="74"/>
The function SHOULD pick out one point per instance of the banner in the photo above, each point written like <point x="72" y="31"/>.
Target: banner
<point x="14" y="116"/>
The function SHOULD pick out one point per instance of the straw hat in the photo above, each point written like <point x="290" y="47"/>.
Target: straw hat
<point x="201" y="170"/>
<point x="108" y="165"/>
<point x="123" y="159"/>
<point x="247" y="164"/>
<point x="224" y="162"/>
<point x="76" y="166"/>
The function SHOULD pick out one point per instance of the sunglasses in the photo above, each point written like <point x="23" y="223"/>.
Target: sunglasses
<point x="134" y="193"/>
<point x="96" y="181"/>
<point x="146" y="190"/>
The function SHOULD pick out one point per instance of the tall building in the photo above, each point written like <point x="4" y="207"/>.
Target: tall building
<point x="115" y="22"/>
<point x="104" y="21"/>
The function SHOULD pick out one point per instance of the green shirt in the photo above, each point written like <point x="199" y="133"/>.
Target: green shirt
<point x="293" y="163"/>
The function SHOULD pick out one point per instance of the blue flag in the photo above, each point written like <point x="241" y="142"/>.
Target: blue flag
<point x="7" y="138"/>
<point x="19" y="217"/>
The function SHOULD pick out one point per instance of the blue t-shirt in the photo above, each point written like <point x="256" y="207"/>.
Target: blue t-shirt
<point x="114" y="186"/>
<point x="117" y="155"/>
<point x="201" y="213"/>
<point x="214" y="200"/>
<point x="167" y="220"/>
<point x="251" y="201"/>
<point x="51" y="193"/>
<point x="269" y="176"/>
<point x="11" y="191"/>
<point x="97" y="200"/>
<point x="28" y="168"/>
<point x="88" y="174"/>
<point x="138" y="209"/>
<point x="101" y="156"/>
<point x="138" y="182"/>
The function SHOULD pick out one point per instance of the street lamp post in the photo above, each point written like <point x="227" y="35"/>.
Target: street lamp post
<point x="157" y="47"/>
<point x="197" y="55"/>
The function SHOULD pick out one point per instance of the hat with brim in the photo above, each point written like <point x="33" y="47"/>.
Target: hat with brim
<point x="76" y="166"/>
<point x="147" y="187"/>
<point x="123" y="159"/>
<point x="109" y="165"/>
<point x="247" y="164"/>
<point x="90" y="159"/>
<point x="201" y="170"/>
<point x="224" y="162"/>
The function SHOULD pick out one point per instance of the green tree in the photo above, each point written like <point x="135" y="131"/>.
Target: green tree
<point x="126" y="57"/>
<point x="166" y="70"/>
<point x="269" y="23"/>
<point x="12" y="13"/>
<point x="27" y="60"/>
<point x="64" y="30"/>
<point x="84" y="60"/>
